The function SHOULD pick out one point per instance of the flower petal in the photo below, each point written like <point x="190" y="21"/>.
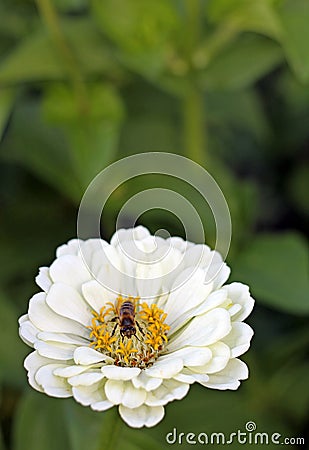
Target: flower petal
<point x="168" y="391"/>
<point x="192" y="356"/>
<point x="43" y="279"/>
<point x="138" y="233"/>
<point x="55" y="350"/>
<point x="123" y="392"/>
<point x="33" y="362"/>
<point x="89" y="394"/>
<point x="28" y="332"/>
<point x="145" y="382"/>
<point x="62" y="337"/>
<point x="70" y="371"/>
<point x="203" y="330"/>
<point x="120" y="373"/>
<point x="67" y="302"/>
<point x="229" y="377"/>
<point x="44" y="318"/>
<point x="71" y="248"/>
<point x="220" y="357"/>
<point x="87" y="355"/>
<point x="238" y="338"/>
<point x="97" y="295"/>
<point x="70" y="270"/>
<point x="189" y="291"/>
<point x="51" y="384"/>
<point x="143" y="416"/>
<point x="239" y="293"/>
<point x="165" y="368"/>
<point x="86" y="378"/>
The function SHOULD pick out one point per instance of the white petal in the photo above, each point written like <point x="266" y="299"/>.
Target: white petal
<point x="89" y="394"/>
<point x="70" y="270"/>
<point x="102" y="405"/>
<point x="229" y="376"/>
<point x="120" y="373"/>
<point x="122" y="235"/>
<point x="43" y="279"/>
<point x="55" y="350"/>
<point x="44" y="318"/>
<point x="142" y="416"/>
<point x="70" y="371"/>
<point x="71" y="248"/>
<point x="23" y="319"/>
<point x="192" y="356"/>
<point x="165" y="368"/>
<point x="145" y="382"/>
<point x="238" y="338"/>
<point x="220" y="357"/>
<point x="168" y="391"/>
<point x="28" y="332"/>
<point x="239" y="293"/>
<point x="67" y="302"/>
<point x="186" y="296"/>
<point x="62" y="337"/>
<point x="87" y="355"/>
<point x="32" y="363"/>
<point x="203" y="330"/>
<point x="123" y="392"/>
<point x="51" y="384"/>
<point x="188" y="376"/>
<point x="86" y="378"/>
<point x="97" y="295"/>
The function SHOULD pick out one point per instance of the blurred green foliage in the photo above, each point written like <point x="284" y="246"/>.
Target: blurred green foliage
<point x="224" y="82"/>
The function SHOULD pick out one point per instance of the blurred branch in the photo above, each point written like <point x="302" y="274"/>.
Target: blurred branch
<point x="193" y="111"/>
<point x="50" y="17"/>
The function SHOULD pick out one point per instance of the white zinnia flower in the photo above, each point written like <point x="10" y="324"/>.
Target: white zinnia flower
<point x="186" y="326"/>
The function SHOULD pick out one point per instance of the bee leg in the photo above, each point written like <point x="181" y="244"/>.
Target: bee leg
<point x="140" y="329"/>
<point x="114" y="329"/>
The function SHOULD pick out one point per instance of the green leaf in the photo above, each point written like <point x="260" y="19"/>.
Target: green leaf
<point x="294" y="17"/>
<point x="41" y="149"/>
<point x="245" y="15"/>
<point x="236" y="68"/>
<point x="37" y="58"/>
<point x="93" y="132"/>
<point x="12" y="350"/>
<point x="142" y="32"/>
<point x="7" y="97"/>
<point x="276" y="269"/>
<point x="40" y="424"/>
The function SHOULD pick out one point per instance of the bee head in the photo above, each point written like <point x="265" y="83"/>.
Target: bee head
<point x="128" y="331"/>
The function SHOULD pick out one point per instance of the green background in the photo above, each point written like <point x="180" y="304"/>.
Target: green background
<point x="223" y="82"/>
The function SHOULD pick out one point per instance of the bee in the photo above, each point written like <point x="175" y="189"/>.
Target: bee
<point x="125" y="313"/>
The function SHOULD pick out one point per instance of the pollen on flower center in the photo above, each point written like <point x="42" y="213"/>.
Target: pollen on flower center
<point x="132" y="333"/>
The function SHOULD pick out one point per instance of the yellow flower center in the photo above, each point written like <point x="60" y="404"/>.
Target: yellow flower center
<point x="132" y="333"/>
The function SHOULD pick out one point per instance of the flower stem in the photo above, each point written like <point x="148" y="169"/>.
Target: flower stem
<point x="193" y="109"/>
<point x="50" y="17"/>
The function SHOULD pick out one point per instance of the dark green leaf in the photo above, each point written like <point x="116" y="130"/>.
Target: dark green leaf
<point x="42" y="149"/>
<point x="294" y="17"/>
<point x="141" y="32"/>
<point x="242" y="63"/>
<point x="245" y="15"/>
<point x="276" y="269"/>
<point x="37" y="57"/>
<point x="7" y="97"/>
<point x="93" y="131"/>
